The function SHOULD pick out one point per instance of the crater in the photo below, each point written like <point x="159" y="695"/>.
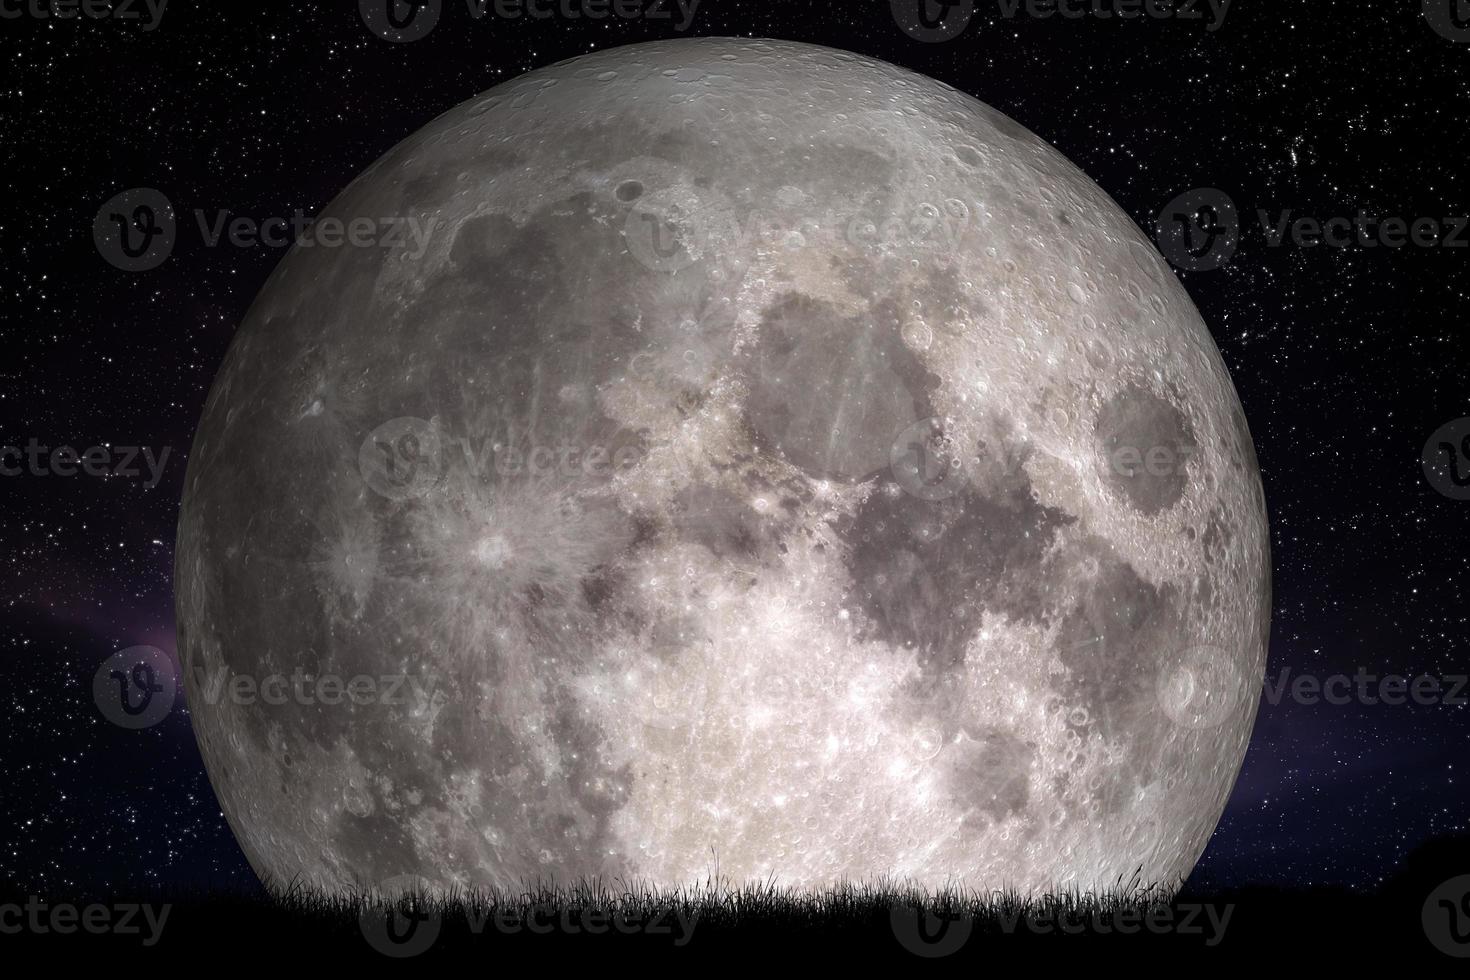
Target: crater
<point x="1145" y="447"/>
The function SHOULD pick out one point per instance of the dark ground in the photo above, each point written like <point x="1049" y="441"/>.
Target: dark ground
<point x="878" y="929"/>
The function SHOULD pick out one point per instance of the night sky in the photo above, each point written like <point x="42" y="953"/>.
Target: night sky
<point x="1346" y="359"/>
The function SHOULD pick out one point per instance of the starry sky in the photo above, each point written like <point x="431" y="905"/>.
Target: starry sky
<point x="1346" y="359"/>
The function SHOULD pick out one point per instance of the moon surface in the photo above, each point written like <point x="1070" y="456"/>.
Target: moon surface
<point x="768" y="462"/>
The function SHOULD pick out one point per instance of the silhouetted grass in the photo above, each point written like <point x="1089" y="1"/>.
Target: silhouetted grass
<point x="714" y="904"/>
<point x="879" y="924"/>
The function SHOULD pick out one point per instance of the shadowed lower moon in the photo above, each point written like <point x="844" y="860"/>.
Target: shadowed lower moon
<point x="770" y="461"/>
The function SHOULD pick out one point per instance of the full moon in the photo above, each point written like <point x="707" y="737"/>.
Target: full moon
<point x="723" y="457"/>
